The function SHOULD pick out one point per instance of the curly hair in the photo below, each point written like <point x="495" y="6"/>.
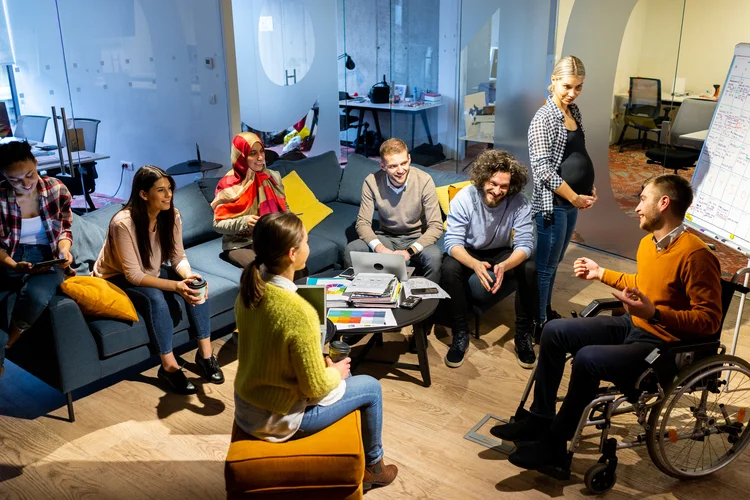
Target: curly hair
<point x="492" y="161"/>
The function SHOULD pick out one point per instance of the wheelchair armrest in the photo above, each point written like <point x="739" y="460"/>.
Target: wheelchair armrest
<point x="598" y="305"/>
<point x="691" y="346"/>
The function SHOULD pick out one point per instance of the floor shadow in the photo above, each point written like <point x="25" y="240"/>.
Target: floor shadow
<point x="9" y="471"/>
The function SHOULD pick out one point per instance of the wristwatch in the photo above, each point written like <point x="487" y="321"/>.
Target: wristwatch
<point x="412" y="251"/>
<point x="656" y="318"/>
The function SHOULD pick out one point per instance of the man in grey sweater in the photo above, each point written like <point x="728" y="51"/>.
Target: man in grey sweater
<point x="489" y="243"/>
<point x="408" y="212"/>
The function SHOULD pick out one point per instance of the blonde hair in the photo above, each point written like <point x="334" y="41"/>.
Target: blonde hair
<point x="392" y="146"/>
<point x="568" y="66"/>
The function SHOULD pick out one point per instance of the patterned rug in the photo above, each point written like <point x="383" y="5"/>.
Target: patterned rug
<point x="100" y="201"/>
<point x="629" y="170"/>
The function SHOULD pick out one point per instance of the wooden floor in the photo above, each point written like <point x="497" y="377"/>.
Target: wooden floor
<point x="132" y="440"/>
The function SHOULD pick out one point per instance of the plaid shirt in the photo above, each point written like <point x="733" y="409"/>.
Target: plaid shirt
<point x="547" y="139"/>
<point x="54" y="207"/>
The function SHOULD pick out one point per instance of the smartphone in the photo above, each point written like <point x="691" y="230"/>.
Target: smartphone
<point x="48" y="263"/>
<point x="349" y="273"/>
<point x="424" y="291"/>
<point x="411" y="302"/>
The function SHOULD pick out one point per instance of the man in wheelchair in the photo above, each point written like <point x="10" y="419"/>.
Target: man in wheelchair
<point x="675" y="294"/>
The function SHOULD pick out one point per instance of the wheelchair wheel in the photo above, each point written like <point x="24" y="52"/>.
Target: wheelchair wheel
<point x="700" y="426"/>
<point x="599" y="479"/>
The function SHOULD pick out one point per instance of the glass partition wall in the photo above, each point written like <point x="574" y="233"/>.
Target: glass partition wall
<point x="141" y="82"/>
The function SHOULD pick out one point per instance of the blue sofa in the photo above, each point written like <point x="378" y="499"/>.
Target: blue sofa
<point x="69" y="351"/>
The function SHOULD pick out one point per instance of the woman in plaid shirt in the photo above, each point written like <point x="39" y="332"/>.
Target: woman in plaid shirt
<point x="35" y="222"/>
<point x="563" y="175"/>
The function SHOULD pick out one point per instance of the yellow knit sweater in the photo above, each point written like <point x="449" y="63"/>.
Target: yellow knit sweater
<point x="280" y="359"/>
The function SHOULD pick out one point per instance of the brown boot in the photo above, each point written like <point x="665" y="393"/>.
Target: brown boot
<point x="379" y="474"/>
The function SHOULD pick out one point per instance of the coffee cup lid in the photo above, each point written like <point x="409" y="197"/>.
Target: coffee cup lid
<point x="197" y="283"/>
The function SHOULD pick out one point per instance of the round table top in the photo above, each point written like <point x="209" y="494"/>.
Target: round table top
<point x="193" y="167"/>
<point x="404" y="317"/>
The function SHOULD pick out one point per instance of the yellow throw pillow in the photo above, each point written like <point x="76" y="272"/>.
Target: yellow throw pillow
<point x="302" y="201"/>
<point x="445" y="195"/>
<point x="99" y="297"/>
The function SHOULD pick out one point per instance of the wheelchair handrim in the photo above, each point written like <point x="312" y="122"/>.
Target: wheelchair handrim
<point x="726" y="364"/>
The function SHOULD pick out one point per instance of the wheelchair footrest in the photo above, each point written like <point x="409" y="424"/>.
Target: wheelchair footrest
<point x="558" y="473"/>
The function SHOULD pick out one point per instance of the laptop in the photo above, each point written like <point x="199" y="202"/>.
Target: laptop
<point x="316" y="296"/>
<point x="369" y="262"/>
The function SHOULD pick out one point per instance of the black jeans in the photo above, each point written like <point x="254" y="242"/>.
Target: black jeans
<point x="605" y="348"/>
<point x="455" y="281"/>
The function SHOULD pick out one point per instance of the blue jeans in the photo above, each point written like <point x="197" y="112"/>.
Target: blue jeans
<point x="162" y="313"/>
<point x="552" y="240"/>
<point x="362" y="392"/>
<point x="29" y="294"/>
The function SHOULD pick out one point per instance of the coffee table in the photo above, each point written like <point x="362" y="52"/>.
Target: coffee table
<point x="404" y="317"/>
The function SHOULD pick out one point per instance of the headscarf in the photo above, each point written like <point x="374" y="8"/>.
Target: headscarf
<point x="243" y="191"/>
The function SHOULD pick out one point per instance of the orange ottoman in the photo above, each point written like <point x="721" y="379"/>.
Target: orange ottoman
<point x="326" y="465"/>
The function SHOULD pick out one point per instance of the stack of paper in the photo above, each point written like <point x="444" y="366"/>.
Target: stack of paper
<point x="369" y="294"/>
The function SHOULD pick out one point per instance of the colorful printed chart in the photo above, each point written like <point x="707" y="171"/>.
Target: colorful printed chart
<point x="361" y="318"/>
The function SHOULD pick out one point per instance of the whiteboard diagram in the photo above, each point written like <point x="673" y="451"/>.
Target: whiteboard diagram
<point x="721" y="182"/>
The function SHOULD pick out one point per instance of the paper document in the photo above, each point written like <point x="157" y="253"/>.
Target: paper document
<point x="347" y="319"/>
<point x="370" y="283"/>
<point x="424" y="283"/>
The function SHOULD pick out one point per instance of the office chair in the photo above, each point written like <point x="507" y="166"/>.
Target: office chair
<point x="693" y="115"/>
<point x="86" y="183"/>
<point x="643" y="109"/>
<point x="31" y="127"/>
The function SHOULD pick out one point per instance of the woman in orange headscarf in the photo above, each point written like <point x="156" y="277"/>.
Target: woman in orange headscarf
<point x="243" y="195"/>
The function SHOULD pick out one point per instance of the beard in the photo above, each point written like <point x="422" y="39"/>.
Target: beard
<point x="491" y="201"/>
<point x="651" y="222"/>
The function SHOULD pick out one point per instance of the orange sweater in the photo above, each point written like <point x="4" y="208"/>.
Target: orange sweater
<point x="682" y="281"/>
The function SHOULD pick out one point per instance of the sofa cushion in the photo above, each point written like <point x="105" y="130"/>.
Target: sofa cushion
<point x="357" y="169"/>
<point x="302" y="201"/>
<point x="196" y="213"/>
<point x="323" y="253"/>
<point x="339" y="226"/>
<point x="221" y="293"/>
<point x="445" y="178"/>
<point x="321" y="173"/>
<point x="206" y="258"/>
<point x="102" y="216"/>
<point x="114" y="336"/>
<point x="208" y="187"/>
<point x="88" y="236"/>
<point x="98" y="297"/>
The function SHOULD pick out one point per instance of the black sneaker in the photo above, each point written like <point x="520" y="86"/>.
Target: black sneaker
<point x="177" y="381"/>
<point x="456" y="353"/>
<point x="525" y="351"/>
<point x="209" y="368"/>
<point x="531" y="428"/>
<point x="538" y="332"/>
<point x="552" y="314"/>
<point x="541" y="454"/>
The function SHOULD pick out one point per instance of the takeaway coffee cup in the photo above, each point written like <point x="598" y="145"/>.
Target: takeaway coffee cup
<point x="200" y="285"/>
<point x="338" y="350"/>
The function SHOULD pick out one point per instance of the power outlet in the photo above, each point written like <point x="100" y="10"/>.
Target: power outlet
<point x="128" y="165"/>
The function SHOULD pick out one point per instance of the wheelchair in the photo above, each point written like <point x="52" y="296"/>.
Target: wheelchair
<point x="692" y="403"/>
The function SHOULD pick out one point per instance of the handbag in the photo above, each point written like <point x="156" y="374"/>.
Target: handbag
<point x="380" y="93"/>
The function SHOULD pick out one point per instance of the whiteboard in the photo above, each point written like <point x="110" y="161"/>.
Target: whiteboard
<point x="721" y="182"/>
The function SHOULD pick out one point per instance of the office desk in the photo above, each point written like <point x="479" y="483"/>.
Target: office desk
<point x="52" y="161"/>
<point x="365" y="106"/>
<point x="666" y="98"/>
<point x="694" y="139"/>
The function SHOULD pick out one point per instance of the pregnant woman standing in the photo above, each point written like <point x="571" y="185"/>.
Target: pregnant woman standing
<point x="563" y="175"/>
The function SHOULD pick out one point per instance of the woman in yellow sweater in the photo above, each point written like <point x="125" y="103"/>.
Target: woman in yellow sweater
<point x="284" y="389"/>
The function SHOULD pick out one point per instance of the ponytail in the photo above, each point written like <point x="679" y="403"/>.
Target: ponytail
<point x="273" y="236"/>
<point x="252" y="286"/>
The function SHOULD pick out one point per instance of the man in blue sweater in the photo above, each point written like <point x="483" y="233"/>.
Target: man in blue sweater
<point x="490" y="236"/>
